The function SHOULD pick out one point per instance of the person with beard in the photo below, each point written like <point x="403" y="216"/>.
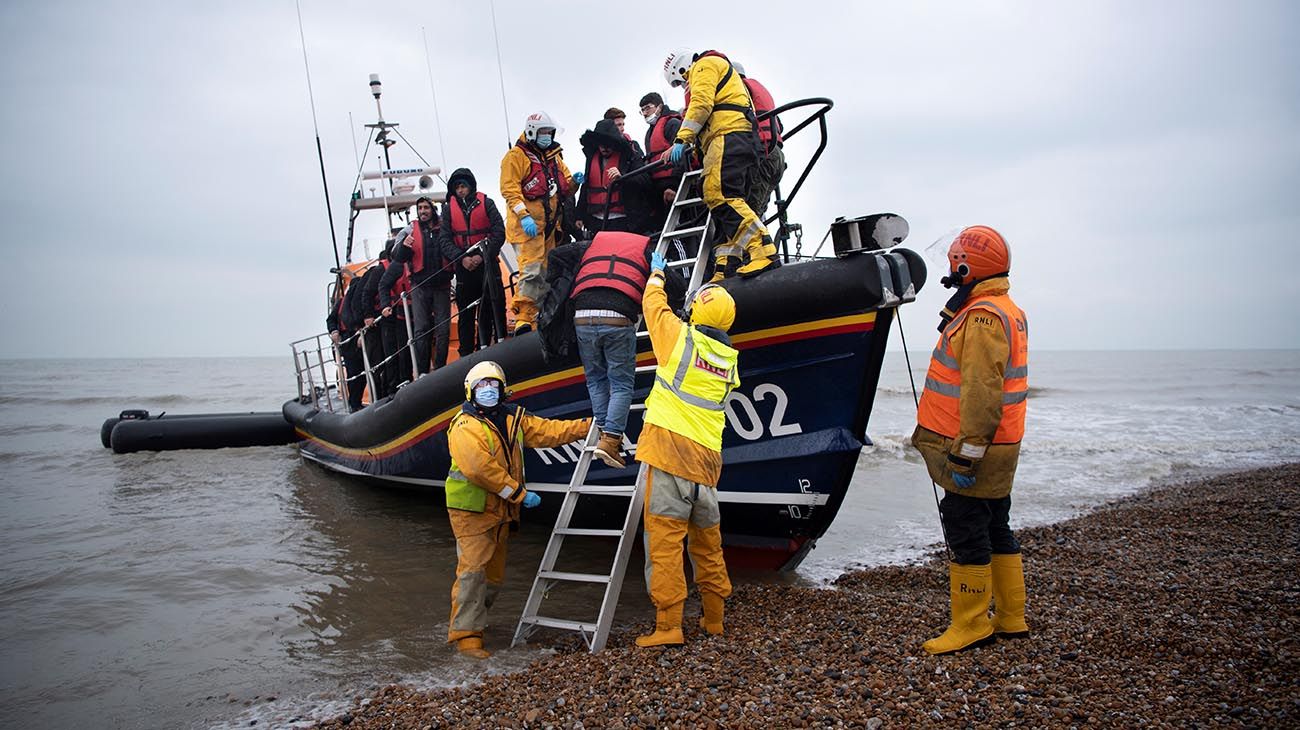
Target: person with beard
<point x="430" y="276"/>
<point x="607" y="201"/>
<point x="392" y="322"/>
<point x="485" y="490"/>
<point x="472" y="234"/>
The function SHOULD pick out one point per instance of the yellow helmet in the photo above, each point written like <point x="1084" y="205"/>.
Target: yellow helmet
<point x="482" y="371"/>
<point x="712" y="306"/>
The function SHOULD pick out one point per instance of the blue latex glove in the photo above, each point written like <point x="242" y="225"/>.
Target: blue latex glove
<point x="657" y="261"/>
<point x="679" y="149"/>
<point x="532" y="500"/>
<point x="963" y="481"/>
<point x="529" y="225"/>
<point x="579" y="177"/>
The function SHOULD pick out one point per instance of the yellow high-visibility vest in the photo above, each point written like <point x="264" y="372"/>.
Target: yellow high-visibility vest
<point x="690" y="387"/>
<point x="461" y="492"/>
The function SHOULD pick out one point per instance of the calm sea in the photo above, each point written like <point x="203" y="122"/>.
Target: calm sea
<point x="218" y="588"/>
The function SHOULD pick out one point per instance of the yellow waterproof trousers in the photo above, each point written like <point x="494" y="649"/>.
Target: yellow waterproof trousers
<point x="480" y="570"/>
<point x="531" y="255"/>
<point x="730" y="166"/>
<point x="678" y="510"/>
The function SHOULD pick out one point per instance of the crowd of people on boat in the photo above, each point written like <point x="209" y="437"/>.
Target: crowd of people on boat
<point x="971" y="413"/>
<point x="718" y="131"/>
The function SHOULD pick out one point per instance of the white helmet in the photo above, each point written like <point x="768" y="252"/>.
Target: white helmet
<point x="739" y="69"/>
<point x="676" y="65"/>
<point x="537" y="121"/>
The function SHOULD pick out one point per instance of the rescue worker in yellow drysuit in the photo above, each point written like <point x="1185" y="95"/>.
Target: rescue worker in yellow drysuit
<point x="680" y="450"/>
<point x="535" y="182"/>
<point x="719" y="119"/>
<point x="969" y="427"/>
<point x="485" y="489"/>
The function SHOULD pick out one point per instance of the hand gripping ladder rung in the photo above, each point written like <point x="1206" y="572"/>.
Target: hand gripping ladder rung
<point x="593" y="634"/>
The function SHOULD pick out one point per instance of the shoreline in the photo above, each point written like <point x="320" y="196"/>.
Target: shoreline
<point x="1179" y="604"/>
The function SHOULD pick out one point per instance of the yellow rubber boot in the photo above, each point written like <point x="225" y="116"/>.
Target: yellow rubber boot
<point x="472" y="646"/>
<point x="1009" y="596"/>
<point x="711" y="621"/>
<point x="525" y="311"/>
<point x="968" y="588"/>
<point x="668" y="628"/>
<point x="762" y="257"/>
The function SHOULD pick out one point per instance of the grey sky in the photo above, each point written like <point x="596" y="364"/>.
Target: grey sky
<point x="162" y="193"/>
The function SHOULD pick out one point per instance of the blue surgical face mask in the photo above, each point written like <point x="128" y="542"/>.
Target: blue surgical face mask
<point x="487" y="395"/>
<point x="544" y="140"/>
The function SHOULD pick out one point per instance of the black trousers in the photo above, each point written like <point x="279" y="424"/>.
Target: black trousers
<point x="398" y="370"/>
<point x="492" y="327"/>
<point x="977" y="528"/>
<point x="375" y="351"/>
<point x="355" y="368"/>
<point x="469" y="291"/>
<point x="431" y="318"/>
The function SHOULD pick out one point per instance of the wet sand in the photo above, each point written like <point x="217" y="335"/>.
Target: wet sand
<point x="1176" y="607"/>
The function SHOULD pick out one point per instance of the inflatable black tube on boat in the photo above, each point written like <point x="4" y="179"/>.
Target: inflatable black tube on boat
<point x="138" y="431"/>
<point x="790" y="294"/>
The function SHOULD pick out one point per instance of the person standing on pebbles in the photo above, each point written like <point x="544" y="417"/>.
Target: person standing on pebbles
<point x="970" y="422"/>
<point x="485" y="488"/>
<point x="680" y="450"/>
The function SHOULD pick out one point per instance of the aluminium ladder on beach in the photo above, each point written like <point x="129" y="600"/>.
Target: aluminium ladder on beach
<point x="595" y="633"/>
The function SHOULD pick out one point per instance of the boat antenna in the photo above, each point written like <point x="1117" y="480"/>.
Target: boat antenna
<point x="320" y="155"/>
<point x="381" y="137"/>
<point x="442" y="147"/>
<point x="505" y="111"/>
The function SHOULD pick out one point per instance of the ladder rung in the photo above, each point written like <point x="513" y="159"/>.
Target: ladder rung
<point x="585" y="532"/>
<point x="573" y="577"/>
<point x="685" y="232"/>
<point x="688" y="201"/>
<point x="680" y="264"/>
<point x="647" y="368"/>
<point x="559" y="623"/>
<point x="637" y="407"/>
<point x="624" y="491"/>
<point x="692" y="173"/>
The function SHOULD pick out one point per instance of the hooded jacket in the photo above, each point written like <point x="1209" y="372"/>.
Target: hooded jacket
<point x="460" y="210"/>
<point x="632" y="191"/>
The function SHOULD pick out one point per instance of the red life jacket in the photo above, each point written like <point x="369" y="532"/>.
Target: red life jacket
<point x="769" y="129"/>
<point x="403" y="286"/>
<point x="598" y="183"/>
<point x="658" y="142"/>
<point x="417" y="250"/>
<point x="468" y="229"/>
<point x="541" y="173"/>
<point x="616" y="261"/>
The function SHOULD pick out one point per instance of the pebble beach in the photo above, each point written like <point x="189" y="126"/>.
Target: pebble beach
<point x="1176" y="607"/>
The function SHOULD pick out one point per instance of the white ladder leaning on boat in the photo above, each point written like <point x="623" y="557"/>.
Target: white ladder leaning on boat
<point x="595" y="633"/>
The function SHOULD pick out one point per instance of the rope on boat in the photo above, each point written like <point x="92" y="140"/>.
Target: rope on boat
<point x="916" y="400"/>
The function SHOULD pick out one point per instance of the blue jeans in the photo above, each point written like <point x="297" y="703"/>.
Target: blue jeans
<point x="609" y="356"/>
